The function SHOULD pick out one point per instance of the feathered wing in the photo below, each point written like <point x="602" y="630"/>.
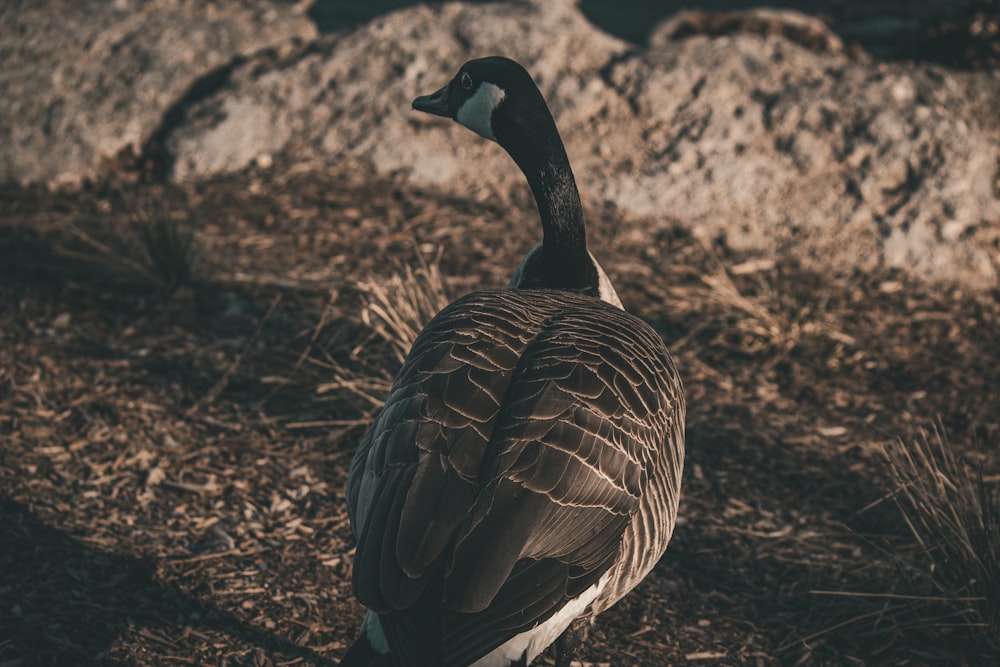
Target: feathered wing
<point x="509" y="460"/>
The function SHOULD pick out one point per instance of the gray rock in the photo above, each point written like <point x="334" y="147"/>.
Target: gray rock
<point x="351" y="93"/>
<point x="769" y="137"/>
<point x="84" y="80"/>
<point x="755" y="127"/>
<point x="850" y="164"/>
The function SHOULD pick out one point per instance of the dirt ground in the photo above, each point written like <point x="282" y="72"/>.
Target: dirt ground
<point x="174" y="447"/>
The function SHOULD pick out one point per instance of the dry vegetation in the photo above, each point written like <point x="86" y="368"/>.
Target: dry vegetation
<point x="185" y="372"/>
<point x="954" y="516"/>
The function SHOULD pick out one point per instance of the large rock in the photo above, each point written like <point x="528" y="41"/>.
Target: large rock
<point x="350" y="94"/>
<point x="84" y="80"/>
<point x="773" y="139"/>
<point x="851" y="164"/>
<point x="755" y="127"/>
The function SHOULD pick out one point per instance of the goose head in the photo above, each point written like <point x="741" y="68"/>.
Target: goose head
<point x="497" y="99"/>
<point x="478" y="91"/>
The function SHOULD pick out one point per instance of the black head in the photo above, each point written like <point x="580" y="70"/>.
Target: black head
<point x="482" y="89"/>
<point x="497" y="98"/>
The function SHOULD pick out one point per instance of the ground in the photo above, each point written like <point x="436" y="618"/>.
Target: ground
<point x="174" y="447"/>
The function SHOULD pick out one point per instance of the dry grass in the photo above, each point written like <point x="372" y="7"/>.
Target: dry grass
<point x="953" y="514"/>
<point x="157" y="247"/>
<point x="398" y="307"/>
<point x="756" y="317"/>
<point x="393" y="309"/>
<point x="171" y="251"/>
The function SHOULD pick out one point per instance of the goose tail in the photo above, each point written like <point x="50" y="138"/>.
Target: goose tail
<point x="370" y="648"/>
<point x="417" y="638"/>
<point x="363" y="654"/>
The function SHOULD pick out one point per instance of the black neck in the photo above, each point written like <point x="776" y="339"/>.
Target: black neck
<point x="540" y="154"/>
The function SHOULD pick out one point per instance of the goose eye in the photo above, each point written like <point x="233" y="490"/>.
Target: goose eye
<point x="465" y="81"/>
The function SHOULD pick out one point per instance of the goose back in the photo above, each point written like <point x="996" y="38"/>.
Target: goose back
<point x="529" y="452"/>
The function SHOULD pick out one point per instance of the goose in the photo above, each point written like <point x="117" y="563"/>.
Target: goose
<point x="524" y="472"/>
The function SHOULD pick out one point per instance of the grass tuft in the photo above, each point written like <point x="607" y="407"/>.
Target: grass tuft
<point x="171" y="254"/>
<point x="954" y="517"/>
<point x="398" y="307"/>
<point x="154" y="246"/>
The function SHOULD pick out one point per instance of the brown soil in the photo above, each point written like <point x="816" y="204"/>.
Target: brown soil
<point x="173" y="456"/>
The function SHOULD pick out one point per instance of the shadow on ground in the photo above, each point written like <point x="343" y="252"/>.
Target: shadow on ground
<point x="64" y="601"/>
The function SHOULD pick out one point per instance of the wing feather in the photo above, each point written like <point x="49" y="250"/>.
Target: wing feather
<point x="509" y="461"/>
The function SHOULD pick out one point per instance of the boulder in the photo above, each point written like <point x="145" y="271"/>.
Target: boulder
<point x="350" y="94"/>
<point x="760" y="131"/>
<point x="757" y="128"/>
<point x="850" y="163"/>
<point x="86" y="80"/>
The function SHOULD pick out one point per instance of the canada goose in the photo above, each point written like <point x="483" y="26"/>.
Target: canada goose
<point x="525" y="470"/>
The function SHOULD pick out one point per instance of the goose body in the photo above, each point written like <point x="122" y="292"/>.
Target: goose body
<point x="524" y="472"/>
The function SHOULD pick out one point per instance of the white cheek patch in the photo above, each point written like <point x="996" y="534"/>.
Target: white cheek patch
<point x="477" y="111"/>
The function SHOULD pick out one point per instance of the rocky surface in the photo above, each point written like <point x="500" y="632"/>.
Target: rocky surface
<point x="86" y="80"/>
<point x="852" y="163"/>
<point x="756" y="129"/>
<point x="769" y="137"/>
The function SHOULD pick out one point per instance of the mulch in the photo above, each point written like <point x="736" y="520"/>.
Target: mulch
<point x="174" y="448"/>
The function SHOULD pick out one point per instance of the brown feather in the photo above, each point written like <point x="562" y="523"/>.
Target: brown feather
<point x="520" y="440"/>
